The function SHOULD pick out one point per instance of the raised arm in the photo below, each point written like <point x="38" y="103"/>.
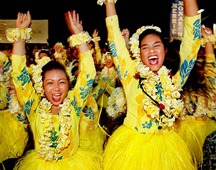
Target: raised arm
<point x="21" y="79"/>
<point x="117" y="44"/>
<point x="210" y="65"/>
<point x="190" y="7"/>
<point x="191" y="41"/>
<point x="87" y="73"/>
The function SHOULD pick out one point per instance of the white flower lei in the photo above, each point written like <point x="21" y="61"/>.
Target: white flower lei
<point x="14" y="106"/>
<point x="172" y="105"/>
<point x="203" y="107"/>
<point x="36" y="74"/>
<point x="45" y="151"/>
<point x="116" y="103"/>
<point x="134" y="40"/>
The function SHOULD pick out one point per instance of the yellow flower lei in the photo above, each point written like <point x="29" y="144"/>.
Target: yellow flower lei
<point x="5" y="77"/>
<point x="116" y="103"/>
<point x="36" y="74"/>
<point x="202" y="108"/>
<point x="171" y="105"/>
<point x="78" y="39"/>
<point x="14" y="34"/>
<point x="134" y="40"/>
<point x="45" y="150"/>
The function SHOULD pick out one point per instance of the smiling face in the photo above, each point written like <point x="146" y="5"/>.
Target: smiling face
<point x="152" y="52"/>
<point x="109" y="62"/>
<point x="56" y="86"/>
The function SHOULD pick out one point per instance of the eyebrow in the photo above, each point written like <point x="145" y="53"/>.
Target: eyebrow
<point x="153" y="43"/>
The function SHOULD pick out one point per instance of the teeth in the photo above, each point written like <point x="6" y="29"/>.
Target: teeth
<point x="153" y="57"/>
<point x="57" y="95"/>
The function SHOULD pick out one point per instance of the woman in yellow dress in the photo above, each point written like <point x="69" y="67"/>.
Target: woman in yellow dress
<point x="147" y="139"/>
<point x="199" y="99"/>
<point x="13" y="121"/>
<point x="55" y="114"/>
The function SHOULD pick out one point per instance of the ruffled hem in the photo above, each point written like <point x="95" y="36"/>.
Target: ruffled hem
<point x="194" y="132"/>
<point x="81" y="160"/>
<point x="14" y="137"/>
<point x="129" y="150"/>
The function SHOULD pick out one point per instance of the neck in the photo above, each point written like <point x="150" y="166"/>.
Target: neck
<point x="55" y="109"/>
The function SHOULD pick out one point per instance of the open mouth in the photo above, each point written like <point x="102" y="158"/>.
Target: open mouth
<point x="56" y="97"/>
<point x="153" y="60"/>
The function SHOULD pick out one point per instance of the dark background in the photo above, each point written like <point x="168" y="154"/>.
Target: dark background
<point x="132" y="14"/>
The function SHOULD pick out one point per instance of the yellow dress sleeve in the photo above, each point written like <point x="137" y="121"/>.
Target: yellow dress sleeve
<point x="189" y="48"/>
<point x="98" y="55"/>
<point x="210" y="71"/>
<point x="4" y="97"/>
<point x="24" y="88"/>
<point x="84" y="82"/>
<point x="122" y="59"/>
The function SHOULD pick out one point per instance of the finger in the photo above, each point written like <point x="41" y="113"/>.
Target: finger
<point x="74" y="15"/>
<point x="77" y="17"/>
<point x="18" y="16"/>
<point x="24" y="17"/>
<point x="70" y="17"/>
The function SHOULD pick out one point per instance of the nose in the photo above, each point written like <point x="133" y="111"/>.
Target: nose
<point x="151" y="49"/>
<point x="56" y="87"/>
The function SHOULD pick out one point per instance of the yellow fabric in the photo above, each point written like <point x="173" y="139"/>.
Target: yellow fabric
<point x="14" y="136"/>
<point x="128" y="149"/>
<point x="4" y="97"/>
<point x="194" y="130"/>
<point x="136" y="118"/>
<point x="82" y="160"/>
<point x="91" y="136"/>
<point x="30" y="100"/>
<point x="98" y="55"/>
<point x="4" y="93"/>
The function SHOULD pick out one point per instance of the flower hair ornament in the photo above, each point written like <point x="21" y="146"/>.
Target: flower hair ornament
<point x="134" y="40"/>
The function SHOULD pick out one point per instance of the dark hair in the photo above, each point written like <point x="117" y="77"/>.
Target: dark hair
<point x="74" y="69"/>
<point x="44" y="51"/>
<point x="172" y="58"/>
<point x="54" y="65"/>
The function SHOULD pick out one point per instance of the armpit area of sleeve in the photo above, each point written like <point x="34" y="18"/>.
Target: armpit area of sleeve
<point x="18" y="61"/>
<point x="86" y="54"/>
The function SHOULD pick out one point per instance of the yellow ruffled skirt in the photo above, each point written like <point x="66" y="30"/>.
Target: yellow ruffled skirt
<point x="13" y="138"/>
<point x="128" y="149"/>
<point x="93" y="140"/>
<point x="81" y="160"/>
<point x="194" y="132"/>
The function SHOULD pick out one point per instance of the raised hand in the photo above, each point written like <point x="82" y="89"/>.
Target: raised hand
<point x="126" y="34"/>
<point x="73" y="23"/>
<point x="95" y="33"/>
<point x="23" y="20"/>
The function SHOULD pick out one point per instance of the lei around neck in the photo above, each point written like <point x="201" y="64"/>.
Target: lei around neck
<point x="162" y="101"/>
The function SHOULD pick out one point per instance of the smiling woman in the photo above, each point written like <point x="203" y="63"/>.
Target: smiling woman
<point x="55" y="115"/>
